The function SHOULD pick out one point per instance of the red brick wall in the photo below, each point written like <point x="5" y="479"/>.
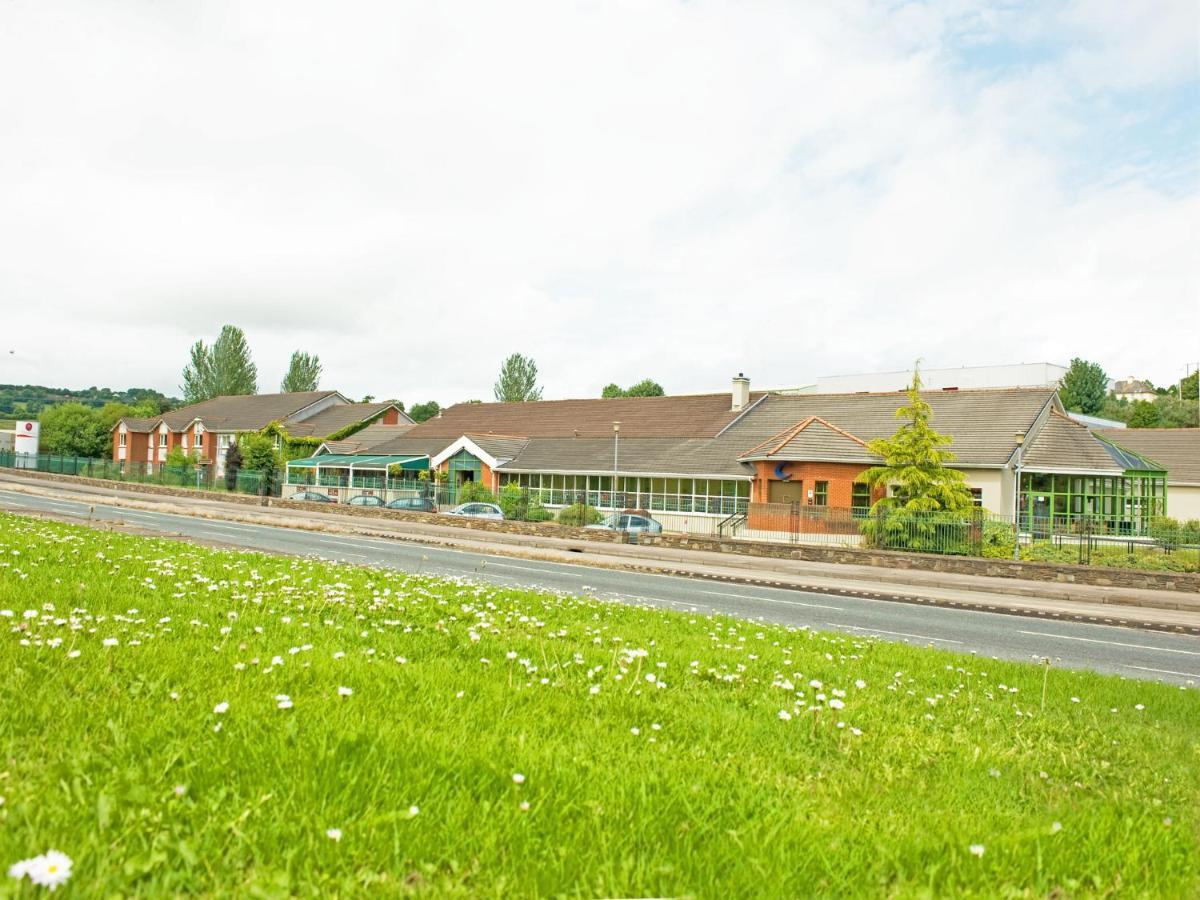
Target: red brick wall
<point x="391" y="417"/>
<point x="841" y="478"/>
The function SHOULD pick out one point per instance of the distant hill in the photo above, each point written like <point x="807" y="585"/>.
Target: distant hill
<point x="21" y="400"/>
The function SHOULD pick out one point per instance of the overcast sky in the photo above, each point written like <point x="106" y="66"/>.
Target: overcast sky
<point x="622" y="190"/>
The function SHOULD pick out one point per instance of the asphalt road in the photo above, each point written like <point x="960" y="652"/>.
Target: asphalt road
<point x="1103" y="648"/>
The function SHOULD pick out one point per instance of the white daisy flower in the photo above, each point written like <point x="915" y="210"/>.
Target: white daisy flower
<point x="976" y="850"/>
<point x="221" y="708"/>
<point x="334" y="834"/>
<point x="518" y="778"/>
<point x="345" y="691"/>
<point x="50" y="870"/>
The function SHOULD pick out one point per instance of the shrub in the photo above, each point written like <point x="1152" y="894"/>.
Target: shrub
<point x="923" y="531"/>
<point x="475" y="492"/>
<point x="580" y="514"/>
<point x="514" y="501"/>
<point x="537" y="512"/>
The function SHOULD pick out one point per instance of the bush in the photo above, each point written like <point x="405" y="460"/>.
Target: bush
<point x="1170" y="533"/>
<point x="514" y="501"/>
<point x="921" y="531"/>
<point x="580" y="514"/>
<point x="537" y="512"/>
<point x="475" y="492"/>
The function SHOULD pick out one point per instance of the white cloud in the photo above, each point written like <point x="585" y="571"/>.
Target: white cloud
<point x="677" y="191"/>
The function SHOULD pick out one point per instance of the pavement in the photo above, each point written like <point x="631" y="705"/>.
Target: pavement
<point x="1074" y="626"/>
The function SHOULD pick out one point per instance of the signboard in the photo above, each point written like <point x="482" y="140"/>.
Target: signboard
<point x="25" y="443"/>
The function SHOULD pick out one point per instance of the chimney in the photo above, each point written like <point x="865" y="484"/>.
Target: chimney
<point x="741" y="392"/>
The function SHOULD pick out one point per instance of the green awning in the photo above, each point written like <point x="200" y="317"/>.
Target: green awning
<point x="361" y="463"/>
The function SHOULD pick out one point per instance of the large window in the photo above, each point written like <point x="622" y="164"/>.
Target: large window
<point x="821" y="493"/>
<point x="688" y="495"/>
<point x="860" y="500"/>
<point x="1108" y="504"/>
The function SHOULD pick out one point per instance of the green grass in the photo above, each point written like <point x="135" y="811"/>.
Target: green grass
<point x="714" y="795"/>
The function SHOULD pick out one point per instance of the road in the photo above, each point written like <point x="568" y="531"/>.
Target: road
<point x="1103" y="648"/>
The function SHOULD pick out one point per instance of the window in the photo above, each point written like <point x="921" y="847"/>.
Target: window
<point x="976" y="496"/>
<point x="860" y="500"/>
<point x="821" y="493"/>
<point x="162" y="439"/>
<point x="199" y="437"/>
<point x="122" y="439"/>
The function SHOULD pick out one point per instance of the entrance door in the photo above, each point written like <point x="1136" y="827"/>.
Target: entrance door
<point x="785" y="492"/>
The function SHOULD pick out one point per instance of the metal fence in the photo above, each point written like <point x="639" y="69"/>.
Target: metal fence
<point x="204" y="478"/>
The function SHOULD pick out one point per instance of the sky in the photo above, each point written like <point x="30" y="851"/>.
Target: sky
<point x="621" y="190"/>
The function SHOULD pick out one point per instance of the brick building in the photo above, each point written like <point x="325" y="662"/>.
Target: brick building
<point x="206" y="430"/>
<point x="714" y="456"/>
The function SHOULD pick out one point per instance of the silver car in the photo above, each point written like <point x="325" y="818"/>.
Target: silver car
<point x="629" y="522"/>
<point x="478" y="511"/>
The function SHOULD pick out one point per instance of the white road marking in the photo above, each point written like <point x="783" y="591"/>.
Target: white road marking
<point x="770" y="600"/>
<point x="496" y="565"/>
<point x="920" y="637"/>
<point x="1164" y="671"/>
<point x="1064" y="637"/>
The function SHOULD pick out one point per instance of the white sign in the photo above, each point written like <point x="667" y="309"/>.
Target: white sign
<point x="25" y="443"/>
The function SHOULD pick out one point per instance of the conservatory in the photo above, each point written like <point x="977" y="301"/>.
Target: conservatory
<point x="347" y="473"/>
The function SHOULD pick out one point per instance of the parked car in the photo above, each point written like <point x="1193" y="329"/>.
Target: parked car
<point x="366" y="500"/>
<point x="632" y="522"/>
<point x="312" y="495"/>
<point x="414" y="504"/>
<point x="478" y="511"/>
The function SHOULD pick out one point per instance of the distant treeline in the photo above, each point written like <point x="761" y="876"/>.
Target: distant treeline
<point x="28" y="400"/>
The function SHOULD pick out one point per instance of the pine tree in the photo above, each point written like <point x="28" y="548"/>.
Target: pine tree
<point x="518" y="380"/>
<point x="914" y="462"/>
<point x="303" y="374"/>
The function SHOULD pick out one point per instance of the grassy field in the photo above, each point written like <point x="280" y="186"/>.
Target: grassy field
<point x="186" y="720"/>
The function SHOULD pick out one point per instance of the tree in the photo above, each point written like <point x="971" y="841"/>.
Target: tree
<point x="233" y="462"/>
<point x="1144" y="415"/>
<point x="423" y="412"/>
<point x="914" y="462"/>
<point x="1084" y="387"/>
<point x="1176" y="413"/>
<point x="259" y="455"/>
<point x="644" y="388"/>
<point x="74" y="429"/>
<point x="303" y="374"/>
<point x="518" y="380"/>
<point x="224" y="369"/>
<point x="1188" y="386"/>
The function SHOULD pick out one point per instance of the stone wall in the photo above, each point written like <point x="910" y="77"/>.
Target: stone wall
<point x="928" y="562"/>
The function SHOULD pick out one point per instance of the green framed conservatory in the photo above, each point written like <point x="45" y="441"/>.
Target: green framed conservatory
<point x="1101" y="504"/>
<point x="369" y="472"/>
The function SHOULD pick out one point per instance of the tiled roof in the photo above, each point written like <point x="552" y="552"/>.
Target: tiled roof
<point x="1176" y="449"/>
<point x="409" y="445"/>
<point x="982" y="422"/>
<point x="244" y="413"/>
<point x="334" y="419"/>
<point x="364" y="440"/>
<point x="697" y="415"/>
<point x="1065" y="444"/>
<point x="814" y="439"/>
<point x="140" y="425"/>
<point x="643" y="456"/>
<point x="498" y="447"/>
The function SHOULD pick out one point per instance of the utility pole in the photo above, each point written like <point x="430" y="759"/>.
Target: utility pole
<point x="1020" y="439"/>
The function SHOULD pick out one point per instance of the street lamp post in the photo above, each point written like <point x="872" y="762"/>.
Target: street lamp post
<point x="616" y="458"/>
<point x="1020" y="439"/>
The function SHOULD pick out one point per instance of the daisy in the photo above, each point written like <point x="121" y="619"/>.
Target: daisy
<point x="345" y="691"/>
<point x="976" y="850"/>
<point x="518" y="778"/>
<point x="221" y="708"/>
<point x="334" y="834"/>
<point x="413" y="811"/>
<point x="50" y="870"/>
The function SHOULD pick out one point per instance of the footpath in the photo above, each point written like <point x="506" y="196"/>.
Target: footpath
<point x="1164" y="610"/>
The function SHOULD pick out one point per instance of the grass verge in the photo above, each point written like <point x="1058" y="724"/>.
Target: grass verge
<point x="185" y="720"/>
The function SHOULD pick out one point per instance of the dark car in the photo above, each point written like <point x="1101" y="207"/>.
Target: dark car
<point x="312" y="495"/>
<point x="366" y="500"/>
<point x="414" y="504"/>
